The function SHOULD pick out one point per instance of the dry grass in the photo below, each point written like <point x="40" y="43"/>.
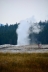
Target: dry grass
<point x="25" y="62"/>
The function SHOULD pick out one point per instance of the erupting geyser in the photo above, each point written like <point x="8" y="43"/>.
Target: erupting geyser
<point x="23" y="31"/>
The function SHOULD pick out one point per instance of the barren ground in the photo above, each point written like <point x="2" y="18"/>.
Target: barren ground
<point x="24" y="49"/>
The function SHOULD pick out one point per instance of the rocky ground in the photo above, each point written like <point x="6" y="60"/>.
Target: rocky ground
<point x="23" y="49"/>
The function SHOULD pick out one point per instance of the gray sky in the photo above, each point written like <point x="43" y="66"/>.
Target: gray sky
<point x="12" y="11"/>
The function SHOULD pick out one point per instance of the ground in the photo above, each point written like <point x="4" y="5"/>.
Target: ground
<point x="24" y="49"/>
<point x="29" y="58"/>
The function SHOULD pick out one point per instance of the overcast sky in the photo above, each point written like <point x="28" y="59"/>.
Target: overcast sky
<point x="12" y="11"/>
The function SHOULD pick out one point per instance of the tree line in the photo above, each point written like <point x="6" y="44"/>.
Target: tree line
<point x="42" y="36"/>
<point x="8" y="34"/>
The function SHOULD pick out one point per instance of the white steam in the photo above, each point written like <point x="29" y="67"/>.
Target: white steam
<point x="23" y="30"/>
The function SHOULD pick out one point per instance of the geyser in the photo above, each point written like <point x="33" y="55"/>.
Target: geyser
<point x="23" y="30"/>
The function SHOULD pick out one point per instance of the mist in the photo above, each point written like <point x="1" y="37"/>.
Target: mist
<point x="23" y="30"/>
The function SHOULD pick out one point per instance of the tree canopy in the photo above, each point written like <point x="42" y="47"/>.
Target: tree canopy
<point x="43" y="34"/>
<point x="8" y="34"/>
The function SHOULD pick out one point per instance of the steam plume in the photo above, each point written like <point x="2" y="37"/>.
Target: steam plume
<point x="23" y="30"/>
